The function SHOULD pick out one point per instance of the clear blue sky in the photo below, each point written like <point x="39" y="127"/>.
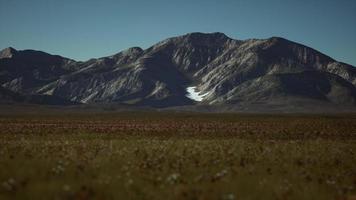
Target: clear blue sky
<point x="82" y="29"/>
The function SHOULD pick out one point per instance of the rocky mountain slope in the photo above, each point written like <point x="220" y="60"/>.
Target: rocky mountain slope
<point x="217" y="70"/>
<point x="10" y="97"/>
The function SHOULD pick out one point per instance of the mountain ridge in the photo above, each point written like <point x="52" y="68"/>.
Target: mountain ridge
<point x="228" y="71"/>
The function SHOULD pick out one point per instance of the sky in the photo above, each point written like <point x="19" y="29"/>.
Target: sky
<point x="83" y="29"/>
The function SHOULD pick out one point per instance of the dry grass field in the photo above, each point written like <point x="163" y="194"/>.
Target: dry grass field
<point x="152" y="155"/>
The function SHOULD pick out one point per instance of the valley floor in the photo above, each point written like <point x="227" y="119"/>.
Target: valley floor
<point x="166" y="155"/>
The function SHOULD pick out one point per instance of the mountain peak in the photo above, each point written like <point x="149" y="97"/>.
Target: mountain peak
<point x="129" y="51"/>
<point x="200" y="35"/>
<point x="7" y="52"/>
<point x="275" y="38"/>
<point x="199" y="38"/>
<point x="134" y="50"/>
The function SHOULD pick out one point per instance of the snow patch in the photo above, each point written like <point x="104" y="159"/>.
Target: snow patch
<point x="194" y="94"/>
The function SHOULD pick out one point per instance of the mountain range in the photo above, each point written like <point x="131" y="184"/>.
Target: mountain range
<point x="190" y="71"/>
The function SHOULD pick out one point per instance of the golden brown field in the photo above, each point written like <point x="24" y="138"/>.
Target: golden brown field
<point x="152" y="155"/>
